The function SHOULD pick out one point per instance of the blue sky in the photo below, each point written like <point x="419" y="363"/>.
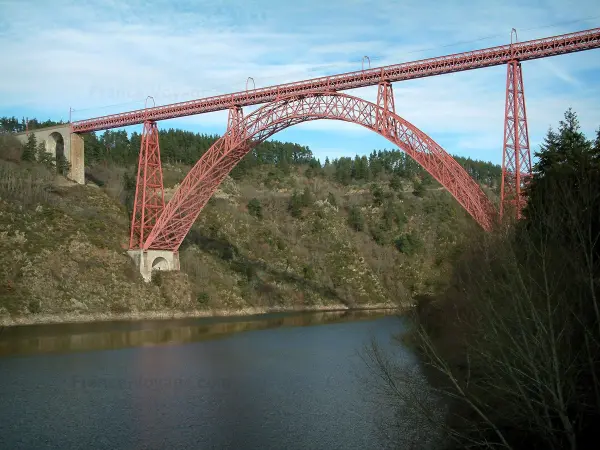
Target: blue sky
<point x="103" y="57"/>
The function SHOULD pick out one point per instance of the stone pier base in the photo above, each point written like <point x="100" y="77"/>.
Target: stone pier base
<point x="152" y="260"/>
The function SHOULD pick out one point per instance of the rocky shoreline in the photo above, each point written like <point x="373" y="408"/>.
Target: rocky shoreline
<point x="173" y="314"/>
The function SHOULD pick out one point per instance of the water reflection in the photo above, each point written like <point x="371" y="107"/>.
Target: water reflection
<point x="59" y="338"/>
<point x="288" y="387"/>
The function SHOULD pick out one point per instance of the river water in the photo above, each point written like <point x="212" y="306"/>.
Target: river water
<point x="280" y="381"/>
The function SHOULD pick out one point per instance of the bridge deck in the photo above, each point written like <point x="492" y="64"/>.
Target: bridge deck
<point x="522" y="51"/>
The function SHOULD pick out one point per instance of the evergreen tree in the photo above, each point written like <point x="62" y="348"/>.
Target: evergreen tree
<point x="562" y="153"/>
<point x="62" y="165"/>
<point x="387" y="218"/>
<point x="314" y="163"/>
<point x="378" y="234"/>
<point x="40" y="151"/>
<point x="44" y="157"/>
<point x="427" y="180"/>
<point x="94" y="151"/>
<point x="567" y="163"/>
<point x="284" y="165"/>
<point x="343" y="170"/>
<point x="360" y="168"/>
<point x="30" y="148"/>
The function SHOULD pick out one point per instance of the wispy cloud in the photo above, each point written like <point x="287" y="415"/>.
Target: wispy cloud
<point x="91" y="55"/>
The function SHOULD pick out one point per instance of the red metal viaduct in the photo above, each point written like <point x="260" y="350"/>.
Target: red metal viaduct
<point x="157" y="230"/>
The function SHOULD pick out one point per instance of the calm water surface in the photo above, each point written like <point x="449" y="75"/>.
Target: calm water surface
<point x="283" y="381"/>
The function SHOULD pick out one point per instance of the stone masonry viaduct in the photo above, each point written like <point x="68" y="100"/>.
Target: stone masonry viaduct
<point x="59" y="140"/>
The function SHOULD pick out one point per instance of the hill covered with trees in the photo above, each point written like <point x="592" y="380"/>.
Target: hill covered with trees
<point x="284" y="230"/>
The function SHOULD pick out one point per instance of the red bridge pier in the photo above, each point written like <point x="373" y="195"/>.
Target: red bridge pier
<point x="148" y="205"/>
<point x="516" y="156"/>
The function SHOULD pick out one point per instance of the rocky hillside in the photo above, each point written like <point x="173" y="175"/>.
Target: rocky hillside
<point x="63" y="247"/>
<point x="272" y="240"/>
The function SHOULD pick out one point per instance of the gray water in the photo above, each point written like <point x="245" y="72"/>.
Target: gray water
<point x="286" y="381"/>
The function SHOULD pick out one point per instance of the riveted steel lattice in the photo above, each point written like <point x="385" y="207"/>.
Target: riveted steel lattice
<point x="385" y="101"/>
<point x="309" y="100"/>
<point x="204" y="178"/>
<point x="493" y="56"/>
<point x="149" y="200"/>
<point x="516" y="157"/>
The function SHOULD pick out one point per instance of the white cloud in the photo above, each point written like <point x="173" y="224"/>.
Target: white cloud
<point x="91" y="54"/>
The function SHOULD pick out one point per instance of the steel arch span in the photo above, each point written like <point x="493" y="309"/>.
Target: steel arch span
<point x="243" y="134"/>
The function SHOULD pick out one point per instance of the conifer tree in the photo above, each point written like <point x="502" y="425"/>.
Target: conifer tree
<point x="567" y="163"/>
<point x="44" y="157"/>
<point x="30" y="148"/>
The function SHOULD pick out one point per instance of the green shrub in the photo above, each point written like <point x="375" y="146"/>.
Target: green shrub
<point x="377" y="194"/>
<point x="255" y="208"/>
<point x="203" y="298"/>
<point x="356" y="220"/>
<point x="309" y="272"/>
<point x="409" y="243"/>
<point x="318" y="225"/>
<point x="419" y="189"/>
<point x="396" y="183"/>
<point x="378" y="234"/>
<point x="62" y="165"/>
<point x="157" y="278"/>
<point x="331" y="199"/>
<point x="295" y="205"/>
<point x="307" y="197"/>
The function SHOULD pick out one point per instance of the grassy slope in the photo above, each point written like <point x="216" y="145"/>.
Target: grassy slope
<point x="62" y="247"/>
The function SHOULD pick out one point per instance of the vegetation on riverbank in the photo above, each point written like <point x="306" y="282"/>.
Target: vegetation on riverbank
<point x="283" y="232"/>
<point x="513" y="346"/>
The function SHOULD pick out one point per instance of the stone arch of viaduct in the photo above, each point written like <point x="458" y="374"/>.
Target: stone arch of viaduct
<point x="57" y="140"/>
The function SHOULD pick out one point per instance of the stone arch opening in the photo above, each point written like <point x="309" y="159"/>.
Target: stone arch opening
<point x="55" y="144"/>
<point x="160" y="263"/>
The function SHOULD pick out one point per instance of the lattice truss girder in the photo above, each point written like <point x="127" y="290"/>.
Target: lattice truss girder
<point x="522" y="51"/>
<point x="204" y="178"/>
<point x="149" y="199"/>
<point x="516" y="159"/>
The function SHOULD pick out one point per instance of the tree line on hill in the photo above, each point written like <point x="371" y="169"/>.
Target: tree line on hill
<point x="185" y="147"/>
<point x="513" y="344"/>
